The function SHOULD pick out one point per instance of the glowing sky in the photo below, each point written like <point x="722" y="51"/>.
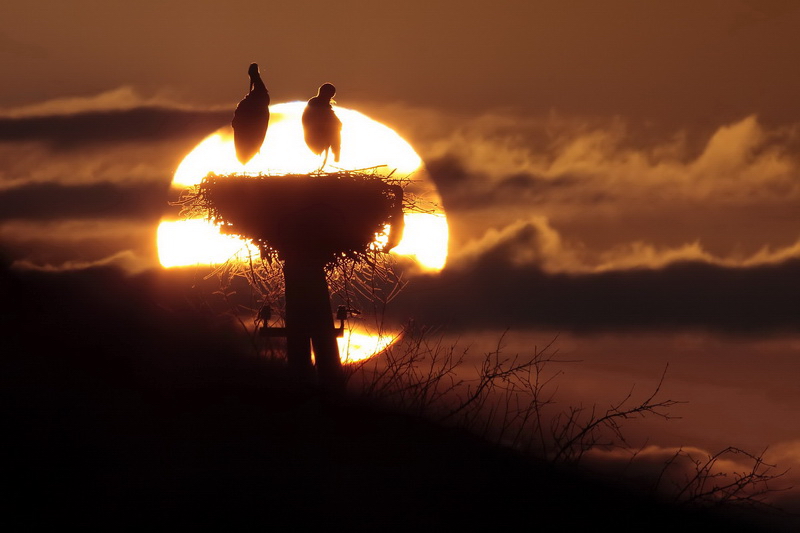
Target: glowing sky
<point x="624" y="173"/>
<point x="707" y="59"/>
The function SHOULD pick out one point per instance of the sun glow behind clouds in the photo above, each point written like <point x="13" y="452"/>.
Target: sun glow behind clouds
<point x="358" y="344"/>
<point x="425" y="238"/>
<point x="200" y="242"/>
<point x="365" y="144"/>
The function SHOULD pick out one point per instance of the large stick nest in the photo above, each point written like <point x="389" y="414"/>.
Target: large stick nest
<point x="323" y="215"/>
<point x="337" y="216"/>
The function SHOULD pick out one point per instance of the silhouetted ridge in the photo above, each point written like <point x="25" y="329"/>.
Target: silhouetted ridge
<point x="126" y="403"/>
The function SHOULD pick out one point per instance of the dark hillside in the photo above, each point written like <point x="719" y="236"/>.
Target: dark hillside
<point x="125" y="404"/>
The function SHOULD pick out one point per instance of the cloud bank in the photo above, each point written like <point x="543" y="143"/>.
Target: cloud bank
<point x="84" y="181"/>
<point x="586" y="211"/>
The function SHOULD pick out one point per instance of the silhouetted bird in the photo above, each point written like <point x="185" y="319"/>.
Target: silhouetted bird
<point x="251" y="118"/>
<point x="321" y="126"/>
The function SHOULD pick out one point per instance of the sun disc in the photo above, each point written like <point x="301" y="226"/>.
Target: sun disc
<point x="366" y="144"/>
<point x="359" y="343"/>
<point x="199" y="242"/>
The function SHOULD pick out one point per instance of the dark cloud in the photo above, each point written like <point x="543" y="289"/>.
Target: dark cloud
<point x="495" y="293"/>
<point x="463" y="189"/>
<point x="89" y="187"/>
<point x="139" y="125"/>
<point x="132" y="253"/>
<point x="732" y="192"/>
<point x="526" y="274"/>
<point x="588" y="162"/>
<point x="52" y="201"/>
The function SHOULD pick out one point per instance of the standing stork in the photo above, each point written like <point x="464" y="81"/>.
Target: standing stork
<point x="251" y="118"/>
<point x="321" y="127"/>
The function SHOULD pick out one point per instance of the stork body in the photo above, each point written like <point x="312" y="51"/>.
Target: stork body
<point x="321" y="127"/>
<point x="251" y="118"/>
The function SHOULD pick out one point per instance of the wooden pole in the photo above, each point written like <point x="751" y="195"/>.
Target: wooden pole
<point x="309" y="320"/>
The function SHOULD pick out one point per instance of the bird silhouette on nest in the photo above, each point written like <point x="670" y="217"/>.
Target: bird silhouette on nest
<point x="321" y="127"/>
<point x="251" y="118"/>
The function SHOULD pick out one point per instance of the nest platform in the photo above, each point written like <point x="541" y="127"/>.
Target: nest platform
<point x="329" y="214"/>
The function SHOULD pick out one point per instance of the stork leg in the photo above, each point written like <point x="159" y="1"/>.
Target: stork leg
<point x="325" y="159"/>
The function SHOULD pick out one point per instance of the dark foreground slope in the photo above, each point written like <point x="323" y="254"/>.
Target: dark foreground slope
<point x="125" y="405"/>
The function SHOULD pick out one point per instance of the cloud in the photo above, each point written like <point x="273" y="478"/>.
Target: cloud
<point x="48" y="201"/>
<point x="617" y="195"/>
<point x="108" y="161"/>
<point x="543" y="187"/>
<point x="786" y="455"/>
<point x="101" y="143"/>
<point x="687" y="473"/>
<point x="533" y="242"/>
<point x="28" y="163"/>
<point x="141" y="124"/>
<point x="529" y="242"/>
<point x="66" y="230"/>
<point x="123" y="98"/>
<point x="59" y="244"/>
<point x="591" y="227"/>
<point x="494" y="292"/>
<point x="643" y="255"/>
<point x="494" y="160"/>
<point x="127" y="260"/>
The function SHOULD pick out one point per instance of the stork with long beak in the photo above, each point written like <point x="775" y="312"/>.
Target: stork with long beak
<point x="251" y="118"/>
<point x="321" y="127"/>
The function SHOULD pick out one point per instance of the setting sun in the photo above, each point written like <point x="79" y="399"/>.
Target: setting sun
<point x="199" y="242"/>
<point x="365" y="144"/>
<point x="358" y="344"/>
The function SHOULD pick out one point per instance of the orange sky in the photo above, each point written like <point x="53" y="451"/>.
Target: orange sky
<point x="624" y="172"/>
<point x="700" y="61"/>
